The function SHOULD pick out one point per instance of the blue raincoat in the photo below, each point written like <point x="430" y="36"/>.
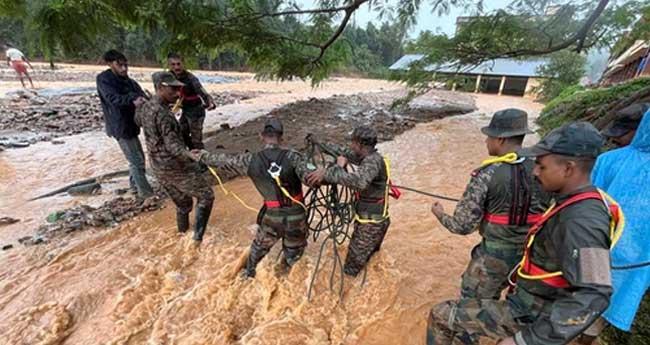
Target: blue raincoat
<point x="625" y="175"/>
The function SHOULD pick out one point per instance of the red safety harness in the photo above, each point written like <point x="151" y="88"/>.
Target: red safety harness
<point x="527" y="269"/>
<point x="504" y="219"/>
<point x="277" y="204"/>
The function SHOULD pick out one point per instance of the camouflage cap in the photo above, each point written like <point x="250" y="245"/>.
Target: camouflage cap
<point x="507" y="123"/>
<point x="365" y="135"/>
<point x="627" y="119"/>
<point x="577" y="139"/>
<point x="273" y="125"/>
<point x="165" y="79"/>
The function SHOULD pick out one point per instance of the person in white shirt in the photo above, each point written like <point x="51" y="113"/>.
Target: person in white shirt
<point x="17" y="60"/>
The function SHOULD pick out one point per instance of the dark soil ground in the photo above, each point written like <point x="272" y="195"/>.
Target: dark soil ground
<point x="334" y="118"/>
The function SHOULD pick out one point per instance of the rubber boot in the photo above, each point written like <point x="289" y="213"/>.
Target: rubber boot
<point x="202" y="217"/>
<point x="256" y="255"/>
<point x="182" y="221"/>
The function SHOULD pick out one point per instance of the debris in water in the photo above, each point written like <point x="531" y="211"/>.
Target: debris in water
<point x="65" y="112"/>
<point x="8" y="220"/>
<point x="83" y="216"/>
<point x="86" y="189"/>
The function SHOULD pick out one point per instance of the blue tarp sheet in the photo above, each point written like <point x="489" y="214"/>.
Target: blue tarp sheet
<point x="625" y="175"/>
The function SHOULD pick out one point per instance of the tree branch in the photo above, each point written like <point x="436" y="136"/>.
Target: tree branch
<point x="348" y="14"/>
<point x="578" y="38"/>
<point x="584" y="31"/>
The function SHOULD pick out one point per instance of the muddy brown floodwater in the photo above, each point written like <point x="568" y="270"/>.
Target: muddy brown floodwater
<point x="40" y="168"/>
<point x="141" y="283"/>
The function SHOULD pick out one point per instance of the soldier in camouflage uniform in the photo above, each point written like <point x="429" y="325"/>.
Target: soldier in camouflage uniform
<point x="277" y="173"/>
<point x="170" y="160"/>
<point x="563" y="282"/>
<point x="501" y="200"/>
<point x="370" y="181"/>
<point x="194" y="100"/>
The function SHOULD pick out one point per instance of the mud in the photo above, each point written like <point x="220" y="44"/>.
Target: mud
<point x="331" y="118"/>
<point x="335" y="117"/>
<point x="81" y="217"/>
<point x="139" y="282"/>
<point x="30" y="116"/>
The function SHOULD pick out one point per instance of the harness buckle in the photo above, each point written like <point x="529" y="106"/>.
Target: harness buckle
<point x="274" y="170"/>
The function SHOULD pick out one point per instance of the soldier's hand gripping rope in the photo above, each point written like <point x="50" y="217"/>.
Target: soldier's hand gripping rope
<point x="329" y="212"/>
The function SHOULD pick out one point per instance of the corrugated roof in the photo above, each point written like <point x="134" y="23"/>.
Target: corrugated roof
<point x="497" y="67"/>
<point x="405" y="61"/>
<point x="637" y="50"/>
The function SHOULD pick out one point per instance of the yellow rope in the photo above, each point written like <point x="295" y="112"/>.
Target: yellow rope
<point x="177" y="106"/>
<point x="286" y="193"/>
<point x="507" y="158"/>
<point x="615" y="228"/>
<point x="227" y="192"/>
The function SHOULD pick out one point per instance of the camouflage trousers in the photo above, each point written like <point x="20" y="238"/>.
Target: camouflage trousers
<point x="486" y="275"/>
<point x="288" y="224"/>
<point x="366" y="240"/>
<point x="183" y="186"/>
<point x="191" y="122"/>
<point x="463" y="322"/>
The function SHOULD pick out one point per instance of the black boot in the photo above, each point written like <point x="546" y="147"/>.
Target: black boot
<point x="256" y="255"/>
<point x="202" y="217"/>
<point x="182" y="221"/>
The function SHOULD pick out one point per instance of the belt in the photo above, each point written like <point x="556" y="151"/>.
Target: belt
<point x="504" y="219"/>
<point x="277" y="204"/>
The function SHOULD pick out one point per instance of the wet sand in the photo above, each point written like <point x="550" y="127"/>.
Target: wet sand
<point x="140" y="283"/>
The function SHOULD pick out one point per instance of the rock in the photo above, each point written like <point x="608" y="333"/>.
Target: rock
<point x="14" y="144"/>
<point x="24" y="240"/>
<point x="57" y="142"/>
<point x="8" y="220"/>
<point x="225" y="126"/>
<point x="7" y="246"/>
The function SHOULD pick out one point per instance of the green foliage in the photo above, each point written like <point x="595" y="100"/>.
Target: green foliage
<point x="566" y="93"/>
<point x="279" y="40"/>
<point x="374" y="49"/>
<point x="574" y="106"/>
<point x="282" y="47"/>
<point x="564" y="69"/>
<point x="523" y="29"/>
<point x="640" y="31"/>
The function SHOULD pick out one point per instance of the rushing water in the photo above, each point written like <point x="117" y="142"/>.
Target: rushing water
<point x="142" y="283"/>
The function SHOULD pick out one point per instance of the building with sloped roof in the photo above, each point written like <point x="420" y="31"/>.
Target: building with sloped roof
<point x="499" y="76"/>
<point x="632" y="63"/>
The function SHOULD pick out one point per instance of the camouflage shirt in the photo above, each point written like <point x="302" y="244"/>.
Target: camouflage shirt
<point x="255" y="165"/>
<point x="490" y="191"/>
<point x="162" y="133"/>
<point x="369" y="178"/>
